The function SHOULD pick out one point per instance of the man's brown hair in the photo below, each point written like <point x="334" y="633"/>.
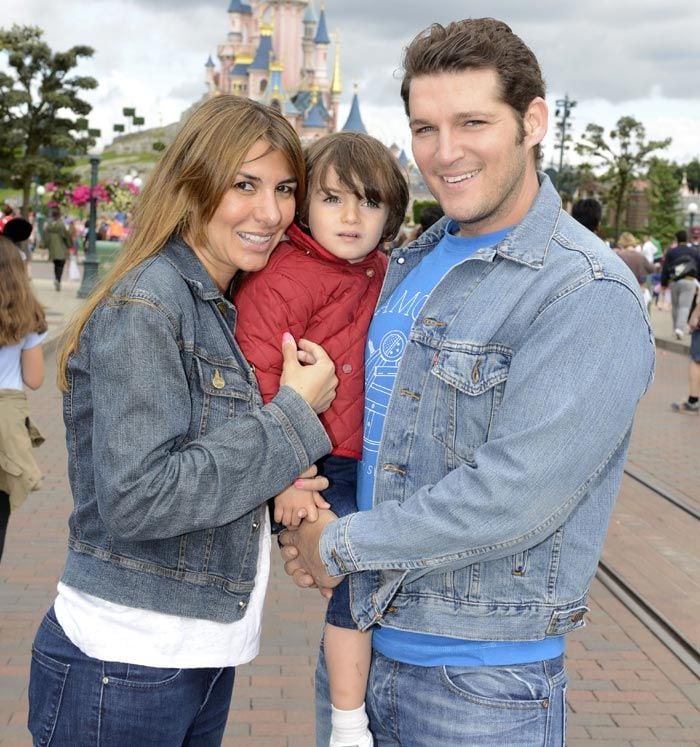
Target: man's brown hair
<point x="365" y="167"/>
<point x="477" y="44"/>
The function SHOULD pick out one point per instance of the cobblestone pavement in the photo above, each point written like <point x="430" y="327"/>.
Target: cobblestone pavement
<point x="625" y="688"/>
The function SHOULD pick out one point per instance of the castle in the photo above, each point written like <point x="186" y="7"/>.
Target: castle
<point x="277" y="52"/>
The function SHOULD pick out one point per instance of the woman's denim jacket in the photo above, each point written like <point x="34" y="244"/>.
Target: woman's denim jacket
<point x="171" y="454"/>
<point x="504" y="440"/>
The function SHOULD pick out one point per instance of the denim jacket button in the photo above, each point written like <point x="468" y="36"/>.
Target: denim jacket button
<point x="401" y="260"/>
<point x="256" y="526"/>
<point x="242" y="604"/>
<point x="217" y="380"/>
<point x="221" y="306"/>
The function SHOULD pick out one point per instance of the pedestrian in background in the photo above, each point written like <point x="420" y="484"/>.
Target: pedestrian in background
<point x="680" y="271"/>
<point x="22" y="331"/>
<point x="588" y="212"/>
<point x="172" y="455"/>
<point x="58" y="241"/>
<point x="691" y="406"/>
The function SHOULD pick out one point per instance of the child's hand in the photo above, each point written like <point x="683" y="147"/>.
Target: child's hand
<point x="297" y="503"/>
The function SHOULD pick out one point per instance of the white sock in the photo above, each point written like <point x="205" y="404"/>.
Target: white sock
<point x="350" y="727"/>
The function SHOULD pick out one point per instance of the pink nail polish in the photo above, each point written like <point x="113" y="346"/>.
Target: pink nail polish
<point x="298" y="483"/>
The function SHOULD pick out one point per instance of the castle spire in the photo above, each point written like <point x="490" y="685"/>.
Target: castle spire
<point x="336" y="83"/>
<point x="321" y="30"/>
<point x="354" y="121"/>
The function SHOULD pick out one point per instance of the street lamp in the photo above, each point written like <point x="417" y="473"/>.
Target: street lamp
<point x="91" y="262"/>
<point x="692" y="209"/>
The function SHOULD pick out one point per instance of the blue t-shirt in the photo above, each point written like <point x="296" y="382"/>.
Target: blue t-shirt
<point x="386" y="341"/>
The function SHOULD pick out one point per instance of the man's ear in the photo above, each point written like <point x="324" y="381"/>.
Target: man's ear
<point x="535" y="121"/>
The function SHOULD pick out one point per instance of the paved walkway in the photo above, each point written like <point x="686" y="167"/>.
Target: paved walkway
<point x="626" y="688"/>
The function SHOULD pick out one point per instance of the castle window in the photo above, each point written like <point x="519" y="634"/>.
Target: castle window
<point x="263" y="85"/>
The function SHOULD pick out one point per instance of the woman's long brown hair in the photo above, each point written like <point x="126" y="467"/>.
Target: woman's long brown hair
<point x="186" y="187"/>
<point x="20" y="311"/>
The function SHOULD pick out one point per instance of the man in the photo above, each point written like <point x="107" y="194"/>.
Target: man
<point x="692" y="405"/>
<point x="505" y="360"/>
<point x="681" y="269"/>
<point x="588" y="212"/>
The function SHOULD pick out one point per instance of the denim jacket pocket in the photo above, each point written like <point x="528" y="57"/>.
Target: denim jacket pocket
<point x="223" y="390"/>
<point x="470" y="385"/>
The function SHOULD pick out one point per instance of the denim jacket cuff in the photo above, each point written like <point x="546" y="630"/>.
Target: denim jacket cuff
<point x="301" y="425"/>
<point x="333" y="549"/>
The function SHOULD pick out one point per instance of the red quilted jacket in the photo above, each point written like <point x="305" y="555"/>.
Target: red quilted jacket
<point x="311" y="293"/>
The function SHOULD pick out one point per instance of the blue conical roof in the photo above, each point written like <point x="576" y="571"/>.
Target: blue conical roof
<point x="317" y="116"/>
<point x="262" y="56"/>
<point x="321" y="30"/>
<point x="403" y="158"/>
<point x="209" y="62"/>
<point x="239" y="70"/>
<point x="236" y="6"/>
<point x="354" y="121"/>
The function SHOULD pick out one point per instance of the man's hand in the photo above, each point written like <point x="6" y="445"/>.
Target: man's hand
<point x="301" y="555"/>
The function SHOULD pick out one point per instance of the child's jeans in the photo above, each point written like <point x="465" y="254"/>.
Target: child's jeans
<point x="342" y="475"/>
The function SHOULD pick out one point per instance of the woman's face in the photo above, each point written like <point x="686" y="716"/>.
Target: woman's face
<point x="252" y="216"/>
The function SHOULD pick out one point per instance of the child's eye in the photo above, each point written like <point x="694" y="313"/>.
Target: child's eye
<point x="332" y="199"/>
<point x="372" y="203"/>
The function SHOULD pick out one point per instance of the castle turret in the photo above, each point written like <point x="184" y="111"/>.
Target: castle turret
<point x="336" y="83"/>
<point x="354" y="121"/>
<point x="210" y="76"/>
<point x="321" y="42"/>
<point x="317" y="118"/>
<point x="308" y="48"/>
<point x="276" y="95"/>
<point x="258" y="72"/>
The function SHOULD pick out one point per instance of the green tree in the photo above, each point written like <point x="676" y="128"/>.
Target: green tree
<point x="692" y="171"/>
<point x="39" y="102"/>
<point x="623" y="157"/>
<point x="664" y="199"/>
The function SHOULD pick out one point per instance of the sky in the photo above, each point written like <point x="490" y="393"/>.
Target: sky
<point x="638" y="58"/>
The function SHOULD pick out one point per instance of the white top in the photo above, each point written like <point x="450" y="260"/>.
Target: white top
<point x="113" y="632"/>
<point x="11" y="360"/>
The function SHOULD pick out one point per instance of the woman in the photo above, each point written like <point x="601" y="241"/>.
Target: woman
<point x="57" y="240"/>
<point x="171" y="453"/>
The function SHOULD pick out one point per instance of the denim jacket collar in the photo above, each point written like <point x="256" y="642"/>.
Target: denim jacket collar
<point x="538" y="226"/>
<point x="182" y="257"/>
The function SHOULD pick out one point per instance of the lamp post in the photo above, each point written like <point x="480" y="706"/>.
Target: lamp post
<point x="692" y="210"/>
<point x="91" y="263"/>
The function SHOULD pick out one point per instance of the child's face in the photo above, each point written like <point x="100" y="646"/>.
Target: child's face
<point x="344" y="224"/>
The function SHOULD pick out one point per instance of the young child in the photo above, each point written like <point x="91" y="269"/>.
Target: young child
<point x="22" y="330"/>
<point x="323" y="284"/>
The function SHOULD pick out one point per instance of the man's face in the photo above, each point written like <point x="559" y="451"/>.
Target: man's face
<point x="469" y="147"/>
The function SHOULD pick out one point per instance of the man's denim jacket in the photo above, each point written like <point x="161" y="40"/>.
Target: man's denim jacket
<point x="171" y="453"/>
<point x="504" y="439"/>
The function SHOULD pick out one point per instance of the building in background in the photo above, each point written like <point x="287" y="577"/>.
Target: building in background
<point x="277" y="52"/>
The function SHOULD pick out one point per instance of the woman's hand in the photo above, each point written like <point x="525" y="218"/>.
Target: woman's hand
<point x="309" y="371"/>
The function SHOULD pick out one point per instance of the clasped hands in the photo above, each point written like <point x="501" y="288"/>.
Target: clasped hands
<point x="299" y="542"/>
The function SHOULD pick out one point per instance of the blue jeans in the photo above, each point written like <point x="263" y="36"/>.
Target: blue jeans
<point x="522" y="705"/>
<point x="341" y="494"/>
<point x="82" y="702"/>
